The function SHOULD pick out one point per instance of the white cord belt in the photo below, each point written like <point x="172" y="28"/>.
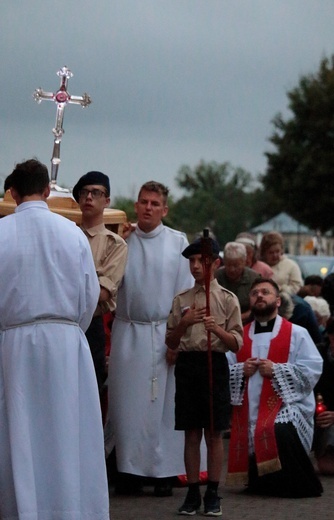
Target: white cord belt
<point x="40" y="321"/>
<point x="153" y="325"/>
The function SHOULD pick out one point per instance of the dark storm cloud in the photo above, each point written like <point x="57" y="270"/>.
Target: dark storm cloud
<point x="172" y="81"/>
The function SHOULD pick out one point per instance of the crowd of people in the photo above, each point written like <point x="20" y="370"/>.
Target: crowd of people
<point x="197" y="348"/>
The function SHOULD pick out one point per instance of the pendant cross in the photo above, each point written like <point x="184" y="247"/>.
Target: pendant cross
<point x="61" y="98"/>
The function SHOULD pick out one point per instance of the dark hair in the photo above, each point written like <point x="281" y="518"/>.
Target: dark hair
<point x="157" y="187"/>
<point x="259" y="280"/>
<point x="28" y="178"/>
<point x="330" y="326"/>
<point x="314" y="279"/>
<point x="327" y="290"/>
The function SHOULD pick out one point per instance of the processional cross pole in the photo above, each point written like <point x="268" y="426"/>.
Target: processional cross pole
<point x="207" y="259"/>
<point x="61" y="98"/>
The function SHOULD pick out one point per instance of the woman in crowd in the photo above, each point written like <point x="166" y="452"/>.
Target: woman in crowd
<point x="287" y="274"/>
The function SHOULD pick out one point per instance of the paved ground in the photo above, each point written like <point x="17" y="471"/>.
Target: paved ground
<point x="236" y="505"/>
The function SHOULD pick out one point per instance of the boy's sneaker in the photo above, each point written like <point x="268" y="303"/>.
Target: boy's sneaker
<point x="212" y="504"/>
<point x="190" y="506"/>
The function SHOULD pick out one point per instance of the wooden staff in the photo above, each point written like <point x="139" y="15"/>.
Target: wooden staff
<point x="207" y="259"/>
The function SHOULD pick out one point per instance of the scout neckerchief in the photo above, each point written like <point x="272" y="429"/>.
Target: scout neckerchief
<point x="270" y="403"/>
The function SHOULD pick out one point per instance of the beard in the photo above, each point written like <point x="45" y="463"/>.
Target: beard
<point x="264" y="312"/>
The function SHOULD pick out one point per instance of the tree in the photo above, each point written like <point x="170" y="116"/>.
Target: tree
<point x="217" y="197"/>
<point x="300" y="170"/>
<point x="127" y="205"/>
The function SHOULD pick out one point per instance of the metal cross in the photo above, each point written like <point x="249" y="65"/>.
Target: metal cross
<point x="61" y="98"/>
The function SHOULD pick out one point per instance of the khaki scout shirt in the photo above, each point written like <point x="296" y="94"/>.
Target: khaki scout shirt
<point x="225" y="308"/>
<point x="110" y="253"/>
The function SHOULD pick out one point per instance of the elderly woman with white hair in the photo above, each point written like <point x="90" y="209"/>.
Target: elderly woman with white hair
<point x="236" y="276"/>
<point x="321" y="310"/>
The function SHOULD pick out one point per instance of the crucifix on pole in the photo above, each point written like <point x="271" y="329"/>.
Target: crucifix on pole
<point x="61" y="98"/>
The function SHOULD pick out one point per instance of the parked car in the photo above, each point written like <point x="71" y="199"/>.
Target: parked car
<point x="314" y="264"/>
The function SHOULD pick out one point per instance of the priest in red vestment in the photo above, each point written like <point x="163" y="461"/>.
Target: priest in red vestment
<point x="272" y="379"/>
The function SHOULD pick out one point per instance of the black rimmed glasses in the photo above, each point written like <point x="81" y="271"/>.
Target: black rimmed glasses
<point x="95" y="193"/>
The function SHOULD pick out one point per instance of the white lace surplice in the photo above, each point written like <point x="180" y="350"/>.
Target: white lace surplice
<point x="293" y="381"/>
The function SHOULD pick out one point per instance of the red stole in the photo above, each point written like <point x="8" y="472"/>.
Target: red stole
<point x="270" y="403"/>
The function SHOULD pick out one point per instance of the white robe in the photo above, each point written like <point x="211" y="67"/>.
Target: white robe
<point x="293" y="381"/>
<point x="51" y="441"/>
<point x="141" y="385"/>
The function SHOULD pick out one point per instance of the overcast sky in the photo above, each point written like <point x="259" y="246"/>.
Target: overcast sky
<point x="172" y="82"/>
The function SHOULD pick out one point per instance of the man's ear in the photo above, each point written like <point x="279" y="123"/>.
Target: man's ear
<point x="165" y="211"/>
<point x="15" y="195"/>
<point x="215" y="264"/>
<point x="46" y="191"/>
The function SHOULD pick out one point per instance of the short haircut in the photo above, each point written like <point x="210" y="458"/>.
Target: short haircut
<point x="157" y="187"/>
<point x="269" y="239"/>
<point x="259" y="280"/>
<point x="28" y="178"/>
<point x="234" y="250"/>
<point x="314" y="279"/>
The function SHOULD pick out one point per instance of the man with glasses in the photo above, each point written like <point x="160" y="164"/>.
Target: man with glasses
<point x="92" y="192"/>
<point x="272" y="379"/>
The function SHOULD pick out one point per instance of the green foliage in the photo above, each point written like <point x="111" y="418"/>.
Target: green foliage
<point x="299" y="175"/>
<point x="217" y="197"/>
<point x="263" y="206"/>
<point x="127" y="205"/>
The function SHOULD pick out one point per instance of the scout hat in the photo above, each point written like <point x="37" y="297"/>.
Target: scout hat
<point x="91" y="178"/>
<point x="196" y="248"/>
